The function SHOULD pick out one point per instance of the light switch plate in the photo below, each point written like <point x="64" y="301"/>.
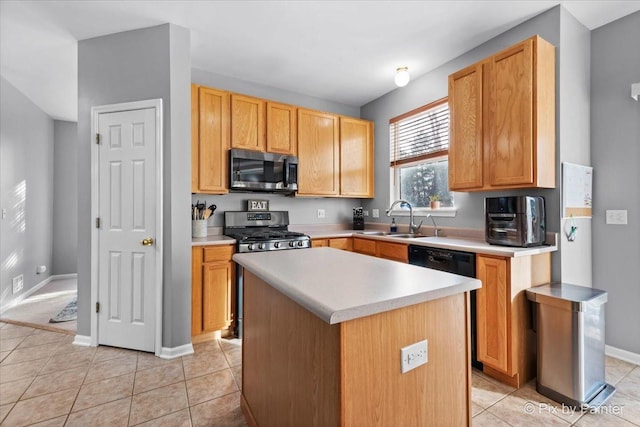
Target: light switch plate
<point x="618" y="217"/>
<point x="413" y="355"/>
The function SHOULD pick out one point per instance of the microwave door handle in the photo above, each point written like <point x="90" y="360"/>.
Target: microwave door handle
<point x="286" y="173"/>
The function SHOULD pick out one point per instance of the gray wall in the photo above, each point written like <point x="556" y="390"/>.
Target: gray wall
<point x="574" y="136"/>
<point x="615" y="145"/>
<point x="136" y="65"/>
<point x="301" y="210"/>
<point x="26" y="190"/>
<point x="65" y="198"/>
<point x="433" y="86"/>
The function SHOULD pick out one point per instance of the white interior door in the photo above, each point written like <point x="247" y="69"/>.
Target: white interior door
<point x="126" y="233"/>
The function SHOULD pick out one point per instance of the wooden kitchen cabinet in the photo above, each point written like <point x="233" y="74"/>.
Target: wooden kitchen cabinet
<point x="356" y="157"/>
<point x="212" y="300"/>
<point x="318" y="153"/>
<point x="380" y="249"/>
<point x="282" y="129"/>
<point x="503" y="120"/>
<point x="505" y="338"/>
<point x="209" y="140"/>
<point x="344" y="243"/>
<point x="247" y="122"/>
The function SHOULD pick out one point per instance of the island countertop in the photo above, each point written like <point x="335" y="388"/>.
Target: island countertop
<point x="338" y="286"/>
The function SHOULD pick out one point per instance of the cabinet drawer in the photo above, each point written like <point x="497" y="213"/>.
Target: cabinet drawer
<point x="364" y="246"/>
<point x="344" y="243"/>
<point x="218" y="253"/>
<point x="319" y="243"/>
<point x="393" y="251"/>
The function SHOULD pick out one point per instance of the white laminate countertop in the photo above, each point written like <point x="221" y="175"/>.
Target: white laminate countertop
<point x="217" y="239"/>
<point x="338" y="286"/>
<point x="468" y="245"/>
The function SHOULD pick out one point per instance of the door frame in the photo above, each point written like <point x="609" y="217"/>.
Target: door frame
<point x="95" y="115"/>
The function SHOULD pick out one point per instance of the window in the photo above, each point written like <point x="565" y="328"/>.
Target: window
<point x="419" y="142"/>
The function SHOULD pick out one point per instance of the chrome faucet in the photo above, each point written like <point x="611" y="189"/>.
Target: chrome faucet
<point x="436" y="230"/>
<point x="413" y="228"/>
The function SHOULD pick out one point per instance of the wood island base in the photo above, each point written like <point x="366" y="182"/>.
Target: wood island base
<point x="298" y="370"/>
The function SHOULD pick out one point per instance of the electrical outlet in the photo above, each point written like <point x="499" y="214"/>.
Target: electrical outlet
<point x="365" y="213"/>
<point x="617" y="217"/>
<point x="4" y="213"/>
<point x="413" y="355"/>
<point x="41" y="269"/>
<point x="18" y="283"/>
<point x="376" y="213"/>
<point x="321" y="213"/>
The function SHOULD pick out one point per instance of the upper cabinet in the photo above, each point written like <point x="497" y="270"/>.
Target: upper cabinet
<point x="356" y="157"/>
<point x="282" y="128"/>
<point x="209" y="140"/>
<point x="335" y="154"/>
<point x="247" y="122"/>
<point x="318" y="153"/>
<point x="503" y="120"/>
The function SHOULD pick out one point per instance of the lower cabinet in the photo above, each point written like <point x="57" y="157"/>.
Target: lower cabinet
<point x="505" y="338"/>
<point x="213" y="276"/>
<point x="344" y="243"/>
<point x="377" y="248"/>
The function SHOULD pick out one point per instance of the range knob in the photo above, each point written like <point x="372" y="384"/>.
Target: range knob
<point x="276" y="245"/>
<point x="250" y="246"/>
<point x="300" y="243"/>
<point x="261" y="246"/>
<point x="292" y="243"/>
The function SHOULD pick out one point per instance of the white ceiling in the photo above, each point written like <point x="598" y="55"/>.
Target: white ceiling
<point x="343" y="51"/>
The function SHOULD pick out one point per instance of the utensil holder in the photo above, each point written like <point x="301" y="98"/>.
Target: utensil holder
<point x="199" y="228"/>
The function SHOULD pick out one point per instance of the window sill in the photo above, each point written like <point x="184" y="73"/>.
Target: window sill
<point x="418" y="212"/>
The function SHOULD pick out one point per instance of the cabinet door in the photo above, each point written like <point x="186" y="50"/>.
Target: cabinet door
<point x="510" y="116"/>
<point x="318" y="154"/>
<point x="364" y="246"/>
<point x="281" y="128"/>
<point x="247" y="122"/>
<point x="492" y="313"/>
<point x="216" y="296"/>
<point x="356" y="157"/>
<point x="465" y="143"/>
<point x="213" y="144"/>
<point x="393" y="251"/>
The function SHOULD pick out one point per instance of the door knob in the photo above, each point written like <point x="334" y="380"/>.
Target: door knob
<point x="147" y="242"/>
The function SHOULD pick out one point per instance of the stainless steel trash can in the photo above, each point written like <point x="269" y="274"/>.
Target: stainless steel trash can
<point x="570" y="335"/>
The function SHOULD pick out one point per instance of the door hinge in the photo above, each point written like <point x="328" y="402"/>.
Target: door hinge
<point x="97" y="307"/>
<point x="97" y="222"/>
<point x="97" y="138"/>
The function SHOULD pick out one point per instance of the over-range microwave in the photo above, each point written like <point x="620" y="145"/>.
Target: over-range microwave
<point x="257" y="171"/>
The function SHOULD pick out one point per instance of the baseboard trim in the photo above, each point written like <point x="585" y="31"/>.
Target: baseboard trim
<point x="37" y="287"/>
<point x="625" y="355"/>
<point x="64" y="276"/>
<point x="24" y="295"/>
<point x="173" y="352"/>
<point x="82" y="340"/>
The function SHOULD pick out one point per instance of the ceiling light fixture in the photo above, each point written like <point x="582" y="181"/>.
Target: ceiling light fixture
<point x="402" y="76"/>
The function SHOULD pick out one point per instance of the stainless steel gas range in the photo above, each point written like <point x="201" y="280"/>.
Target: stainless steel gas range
<point x="259" y="232"/>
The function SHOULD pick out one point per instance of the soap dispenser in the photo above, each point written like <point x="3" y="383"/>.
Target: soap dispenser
<point x="394" y="227"/>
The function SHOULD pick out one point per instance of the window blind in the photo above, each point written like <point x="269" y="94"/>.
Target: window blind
<point x="420" y="134"/>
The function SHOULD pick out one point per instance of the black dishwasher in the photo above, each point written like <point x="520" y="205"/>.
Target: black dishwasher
<point x="456" y="262"/>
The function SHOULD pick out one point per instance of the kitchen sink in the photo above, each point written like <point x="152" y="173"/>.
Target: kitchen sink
<point x="389" y="234"/>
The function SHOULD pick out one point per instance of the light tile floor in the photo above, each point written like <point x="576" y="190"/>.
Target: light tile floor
<point x="45" y="380"/>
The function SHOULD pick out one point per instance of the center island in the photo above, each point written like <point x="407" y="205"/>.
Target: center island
<point x="322" y="333"/>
